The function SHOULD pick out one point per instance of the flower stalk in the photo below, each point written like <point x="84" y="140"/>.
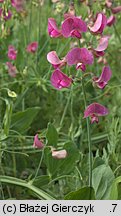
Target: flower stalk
<point x="88" y="136"/>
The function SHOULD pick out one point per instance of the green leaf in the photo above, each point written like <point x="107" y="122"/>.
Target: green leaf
<point x="22" y="120"/>
<point x="18" y="182"/>
<point x="7" y="117"/>
<point x="68" y="164"/>
<point x="52" y="135"/>
<point x="102" y="178"/>
<point x="116" y="189"/>
<point x="41" y="181"/>
<point x="85" y="193"/>
<point x="62" y="166"/>
<point x="51" y="163"/>
<point x="97" y="162"/>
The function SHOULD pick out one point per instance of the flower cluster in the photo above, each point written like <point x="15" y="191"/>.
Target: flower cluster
<point x="12" y="55"/>
<point x="74" y="27"/>
<point x="61" y="154"/>
<point x="6" y="13"/>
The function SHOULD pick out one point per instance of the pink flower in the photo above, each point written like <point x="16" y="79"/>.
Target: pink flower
<point x="99" y="25"/>
<point x="52" y="57"/>
<point x="12" y="53"/>
<point x="60" y="80"/>
<point x="18" y="4"/>
<point x="105" y="76"/>
<point x="7" y="15"/>
<point x="68" y="15"/>
<point x="103" y="44"/>
<point x="11" y="69"/>
<point x="53" y="29"/>
<point x="95" y="110"/>
<point x="80" y="57"/>
<point x="1" y="1"/>
<point x="59" y="154"/>
<point x="111" y="20"/>
<point x="32" y="47"/>
<point x="116" y="10"/>
<point x="108" y="3"/>
<point x="38" y="143"/>
<point x="73" y="27"/>
<point x="1" y="11"/>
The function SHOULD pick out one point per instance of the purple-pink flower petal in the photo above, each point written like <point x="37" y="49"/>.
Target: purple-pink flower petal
<point x="116" y="10"/>
<point x="94" y="110"/>
<point x="32" y="47"/>
<point x="53" y="30"/>
<point x="100" y="24"/>
<point x="105" y="76"/>
<point x="11" y="69"/>
<point x="73" y="27"/>
<point x="12" y="53"/>
<point x="18" y="4"/>
<point x="6" y="14"/>
<point x="111" y="20"/>
<point x="38" y="143"/>
<point x="60" y="80"/>
<point x="53" y="58"/>
<point x="103" y="44"/>
<point x="79" y="55"/>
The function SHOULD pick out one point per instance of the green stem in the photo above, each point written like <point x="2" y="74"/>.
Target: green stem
<point x="18" y="182"/>
<point x="65" y="110"/>
<point x="89" y="137"/>
<point x="38" y="168"/>
<point x="117" y="33"/>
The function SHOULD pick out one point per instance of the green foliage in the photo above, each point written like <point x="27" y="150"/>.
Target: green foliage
<point x="21" y="121"/>
<point x="102" y="178"/>
<point x="85" y="193"/>
<point x="57" y="116"/>
<point x="52" y="135"/>
<point x="116" y="189"/>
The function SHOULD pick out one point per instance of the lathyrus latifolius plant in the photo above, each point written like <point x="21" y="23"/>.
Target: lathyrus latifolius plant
<point x="82" y="56"/>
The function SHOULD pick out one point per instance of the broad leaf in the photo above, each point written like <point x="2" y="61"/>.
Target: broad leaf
<point x="102" y="178"/>
<point x="85" y="193"/>
<point x="21" y="121"/>
<point x="116" y="189"/>
<point x="52" y="135"/>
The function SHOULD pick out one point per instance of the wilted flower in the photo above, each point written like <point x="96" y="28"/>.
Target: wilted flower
<point x="53" y="29"/>
<point x="60" y="80"/>
<point x="38" y="143"/>
<point x="99" y="25"/>
<point x="11" y="69"/>
<point x="103" y="44"/>
<point x="52" y="57"/>
<point x="73" y="27"/>
<point x="80" y="57"/>
<point x="116" y="10"/>
<point x="111" y="20"/>
<point x="105" y="76"/>
<point x="32" y="47"/>
<point x="12" y="53"/>
<point x="95" y="110"/>
<point x="59" y="154"/>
